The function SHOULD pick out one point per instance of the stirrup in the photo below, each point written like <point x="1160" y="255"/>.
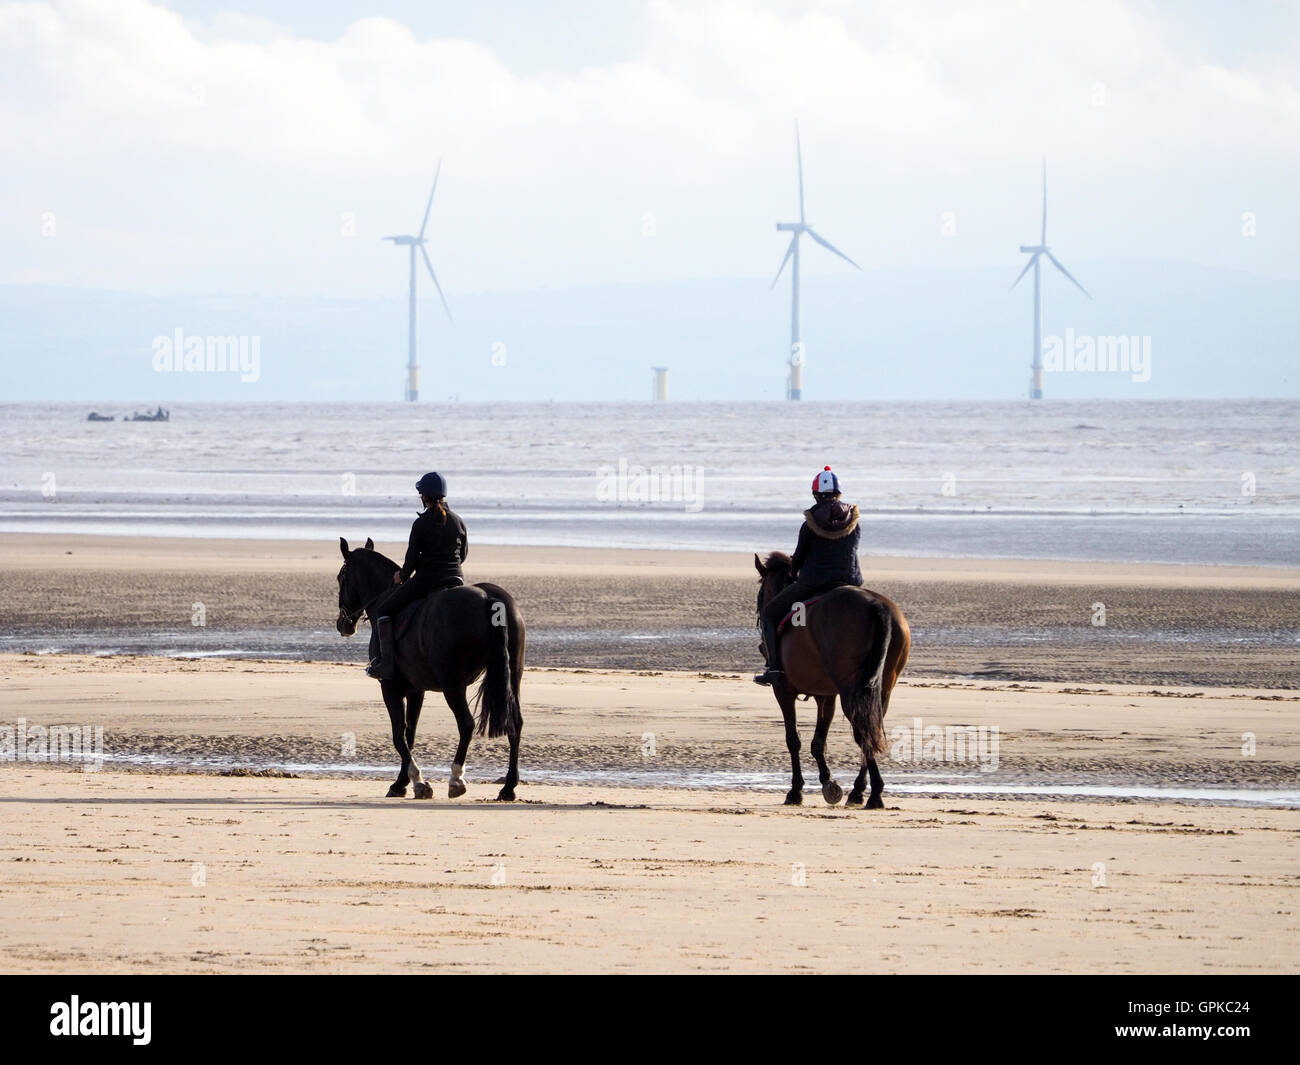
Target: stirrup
<point x="372" y="669"/>
<point x="769" y="676"/>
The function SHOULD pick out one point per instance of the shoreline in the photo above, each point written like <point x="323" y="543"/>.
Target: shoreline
<point x="22" y="550"/>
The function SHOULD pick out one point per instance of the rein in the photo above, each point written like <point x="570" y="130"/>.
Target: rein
<point x="364" y="607"/>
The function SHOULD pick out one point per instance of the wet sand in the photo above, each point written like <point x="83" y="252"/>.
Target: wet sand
<point x="589" y="724"/>
<point x="1001" y="620"/>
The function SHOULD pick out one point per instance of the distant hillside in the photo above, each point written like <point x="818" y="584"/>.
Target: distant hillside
<point x="936" y="335"/>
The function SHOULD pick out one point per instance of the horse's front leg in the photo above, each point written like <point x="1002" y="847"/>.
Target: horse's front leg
<point x="831" y="791"/>
<point x="785" y="696"/>
<point x="414" y="703"/>
<point x="455" y="697"/>
<point x="396" y="704"/>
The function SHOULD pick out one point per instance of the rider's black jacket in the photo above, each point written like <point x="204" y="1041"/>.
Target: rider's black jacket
<point x="827" y="552"/>
<point x="436" y="548"/>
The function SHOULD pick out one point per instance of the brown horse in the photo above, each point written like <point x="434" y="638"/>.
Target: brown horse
<point x="852" y="643"/>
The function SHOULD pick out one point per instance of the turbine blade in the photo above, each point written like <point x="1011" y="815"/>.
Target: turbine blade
<point x="1032" y="259"/>
<point x="1043" y="238"/>
<point x="831" y="247"/>
<point x="1056" y="262"/>
<point x="798" y="154"/>
<point x="429" y="206"/>
<point x="436" y="285"/>
<point x="788" y="252"/>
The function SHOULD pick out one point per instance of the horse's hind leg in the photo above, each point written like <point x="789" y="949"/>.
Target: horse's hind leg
<point x="784" y="696"/>
<point x="869" y="767"/>
<point x="860" y="784"/>
<point x="507" y="793"/>
<point x="465" y="724"/>
<point x="874" y="801"/>
<point x="831" y="791"/>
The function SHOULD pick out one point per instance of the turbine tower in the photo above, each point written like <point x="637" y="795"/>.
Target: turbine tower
<point x="414" y="242"/>
<point x="794" y="389"/>
<point x="1036" y="252"/>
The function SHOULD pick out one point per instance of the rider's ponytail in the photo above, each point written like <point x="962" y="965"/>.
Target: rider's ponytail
<point x="441" y="504"/>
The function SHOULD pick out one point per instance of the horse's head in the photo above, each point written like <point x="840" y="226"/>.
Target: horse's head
<point x="364" y="575"/>
<point x="773" y="577"/>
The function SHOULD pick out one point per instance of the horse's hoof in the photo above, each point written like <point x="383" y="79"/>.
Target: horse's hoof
<point x="424" y="790"/>
<point x="396" y="793"/>
<point x="456" y="789"/>
<point x="875" y="803"/>
<point x="854" y="799"/>
<point x="832" y="792"/>
<point x="506" y="795"/>
<point x="794" y="797"/>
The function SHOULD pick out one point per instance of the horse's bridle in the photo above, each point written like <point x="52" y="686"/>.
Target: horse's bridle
<point x="355" y="615"/>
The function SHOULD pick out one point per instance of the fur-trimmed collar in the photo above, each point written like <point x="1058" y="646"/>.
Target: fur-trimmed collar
<point x="838" y="527"/>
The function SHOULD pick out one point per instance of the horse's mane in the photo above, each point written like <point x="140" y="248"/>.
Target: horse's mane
<point x="777" y="560"/>
<point x="379" y="559"/>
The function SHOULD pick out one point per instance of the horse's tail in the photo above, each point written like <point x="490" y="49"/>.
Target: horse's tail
<point x="864" y="704"/>
<point x="498" y="712"/>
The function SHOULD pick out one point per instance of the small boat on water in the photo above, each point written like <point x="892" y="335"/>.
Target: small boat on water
<point x="95" y="416"/>
<point x="159" y="415"/>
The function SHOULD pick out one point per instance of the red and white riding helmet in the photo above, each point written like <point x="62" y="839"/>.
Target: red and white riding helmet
<point x="826" y="481"/>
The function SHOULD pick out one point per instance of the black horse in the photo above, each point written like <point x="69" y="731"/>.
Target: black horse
<point x="442" y="644"/>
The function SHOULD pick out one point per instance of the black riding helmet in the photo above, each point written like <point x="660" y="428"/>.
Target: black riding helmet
<point x="432" y="485"/>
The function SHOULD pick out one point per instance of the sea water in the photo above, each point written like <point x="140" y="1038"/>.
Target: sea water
<point x="1214" y="482"/>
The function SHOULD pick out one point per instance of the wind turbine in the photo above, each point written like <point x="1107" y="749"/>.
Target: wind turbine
<point x="413" y="367"/>
<point x="796" y="230"/>
<point x="1036" y="252"/>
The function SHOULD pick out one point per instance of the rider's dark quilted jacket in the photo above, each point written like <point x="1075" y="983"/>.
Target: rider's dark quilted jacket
<point x="827" y="552"/>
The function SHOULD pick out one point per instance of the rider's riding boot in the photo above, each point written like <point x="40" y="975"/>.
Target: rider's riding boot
<point x="382" y="667"/>
<point x="772" y="672"/>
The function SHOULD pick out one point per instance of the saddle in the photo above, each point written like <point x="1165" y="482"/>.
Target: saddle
<point x="785" y="621"/>
<point x="403" y="620"/>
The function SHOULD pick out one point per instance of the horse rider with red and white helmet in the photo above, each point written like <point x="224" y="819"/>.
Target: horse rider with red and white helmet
<point x="826" y="557"/>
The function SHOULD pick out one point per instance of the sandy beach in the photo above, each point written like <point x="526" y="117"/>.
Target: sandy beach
<point x="119" y="872"/>
<point x="238" y="824"/>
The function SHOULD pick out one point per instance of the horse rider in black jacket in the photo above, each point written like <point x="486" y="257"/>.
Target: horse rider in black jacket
<point x="437" y="547"/>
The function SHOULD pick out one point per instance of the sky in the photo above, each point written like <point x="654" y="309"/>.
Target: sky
<point x="230" y="147"/>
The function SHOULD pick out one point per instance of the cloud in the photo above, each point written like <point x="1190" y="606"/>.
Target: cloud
<point x="694" y="121"/>
<point x="931" y="81"/>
